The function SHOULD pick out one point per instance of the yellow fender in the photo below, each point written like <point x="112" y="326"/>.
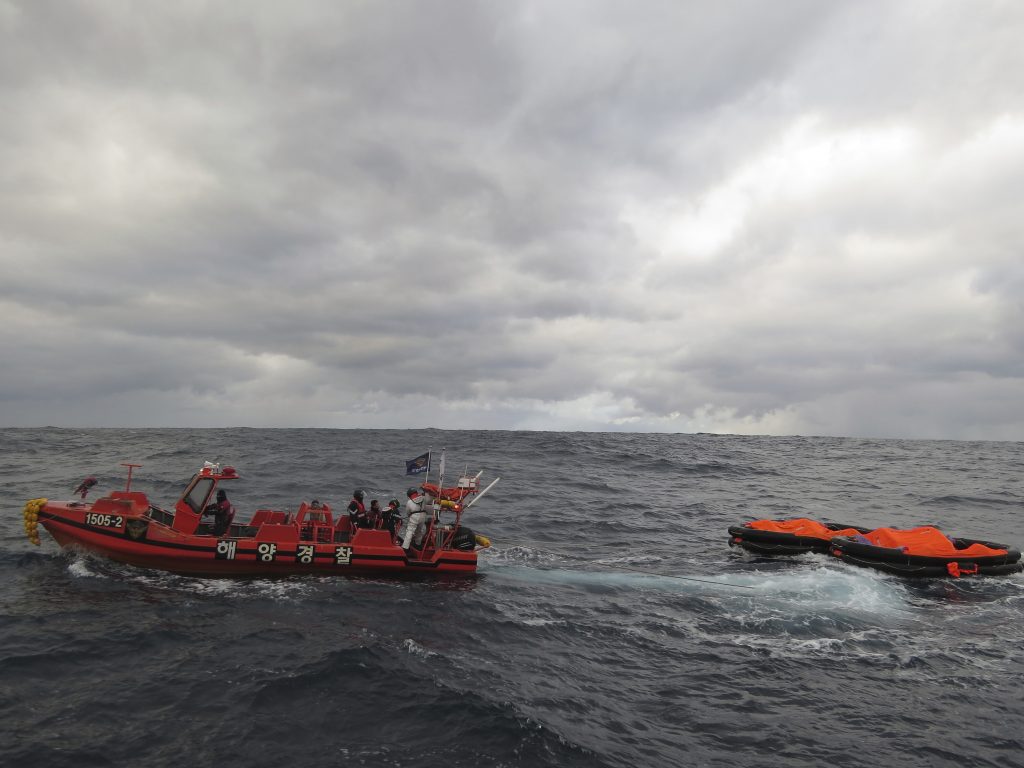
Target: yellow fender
<point x="482" y="541"/>
<point x="31" y="515"/>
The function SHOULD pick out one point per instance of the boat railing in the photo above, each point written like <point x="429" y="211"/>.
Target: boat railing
<point x="271" y="516"/>
<point x="320" y="532"/>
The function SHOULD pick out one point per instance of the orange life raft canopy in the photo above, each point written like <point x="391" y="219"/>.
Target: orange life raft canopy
<point x="802" y="526"/>
<point x="926" y="551"/>
<point x="788" y="537"/>
<point x="927" y="541"/>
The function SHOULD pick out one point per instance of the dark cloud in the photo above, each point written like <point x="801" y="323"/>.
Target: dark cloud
<point x="796" y="217"/>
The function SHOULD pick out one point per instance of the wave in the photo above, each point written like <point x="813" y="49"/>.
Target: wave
<point x="610" y="623"/>
<point x="953" y="500"/>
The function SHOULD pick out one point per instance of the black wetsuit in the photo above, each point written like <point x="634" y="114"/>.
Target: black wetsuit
<point x="223" y="513"/>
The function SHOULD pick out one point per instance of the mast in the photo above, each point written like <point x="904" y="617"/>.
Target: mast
<point x="128" y="486"/>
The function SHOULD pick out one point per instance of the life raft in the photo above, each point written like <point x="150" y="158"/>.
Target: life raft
<point x="454" y="494"/>
<point x="926" y="552"/>
<point x="788" y="537"/>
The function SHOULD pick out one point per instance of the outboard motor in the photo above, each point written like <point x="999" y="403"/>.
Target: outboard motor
<point x="464" y="539"/>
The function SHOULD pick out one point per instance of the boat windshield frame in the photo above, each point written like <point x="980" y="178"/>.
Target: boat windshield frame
<point x="190" y="494"/>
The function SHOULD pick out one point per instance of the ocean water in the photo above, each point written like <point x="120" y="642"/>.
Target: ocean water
<point x="609" y="625"/>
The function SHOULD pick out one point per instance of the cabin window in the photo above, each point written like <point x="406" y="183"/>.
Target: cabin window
<point x="199" y="493"/>
<point x="161" y="516"/>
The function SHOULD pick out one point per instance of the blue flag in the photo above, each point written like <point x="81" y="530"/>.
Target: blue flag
<point x="418" y="465"/>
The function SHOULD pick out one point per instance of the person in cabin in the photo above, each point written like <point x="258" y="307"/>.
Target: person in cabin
<point x="417" y="525"/>
<point x="357" y="510"/>
<point x="375" y="514"/>
<point x="222" y="511"/>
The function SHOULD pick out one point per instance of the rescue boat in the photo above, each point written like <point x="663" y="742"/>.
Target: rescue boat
<point x="926" y="552"/>
<point x="125" y="526"/>
<point x="788" y="537"/>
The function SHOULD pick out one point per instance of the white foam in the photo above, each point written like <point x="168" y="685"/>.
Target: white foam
<point x="629" y="560"/>
<point x="826" y="587"/>
<point x="79" y="567"/>
<point x="618" y="579"/>
<point x="262" y="589"/>
<point x="414" y="648"/>
<point x="519" y="554"/>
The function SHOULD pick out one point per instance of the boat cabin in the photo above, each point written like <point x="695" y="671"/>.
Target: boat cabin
<point x="198" y="494"/>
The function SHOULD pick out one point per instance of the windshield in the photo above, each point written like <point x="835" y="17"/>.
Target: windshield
<point x="199" y="493"/>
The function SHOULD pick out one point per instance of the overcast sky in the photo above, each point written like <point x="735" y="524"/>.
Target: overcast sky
<point x="786" y="217"/>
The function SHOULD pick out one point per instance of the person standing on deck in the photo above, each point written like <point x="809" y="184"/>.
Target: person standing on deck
<point x="374" y="515"/>
<point x="316" y="512"/>
<point x="390" y="517"/>
<point x="357" y="510"/>
<point x="417" y="517"/>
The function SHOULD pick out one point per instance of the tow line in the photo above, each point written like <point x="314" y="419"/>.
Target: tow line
<point x="636" y="570"/>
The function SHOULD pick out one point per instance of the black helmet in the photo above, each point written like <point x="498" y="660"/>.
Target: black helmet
<point x="411" y="491"/>
<point x="393" y="503"/>
<point x="358" y="493"/>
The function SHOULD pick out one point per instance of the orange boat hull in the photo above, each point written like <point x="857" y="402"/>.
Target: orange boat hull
<point x="138" y="539"/>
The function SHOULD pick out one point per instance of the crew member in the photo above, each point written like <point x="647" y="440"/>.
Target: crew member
<point x="357" y="510"/>
<point x="375" y="514"/>
<point x="316" y="512"/>
<point x="390" y="517"/>
<point x="222" y="511"/>
<point x="417" y="518"/>
<point x="85" y="485"/>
